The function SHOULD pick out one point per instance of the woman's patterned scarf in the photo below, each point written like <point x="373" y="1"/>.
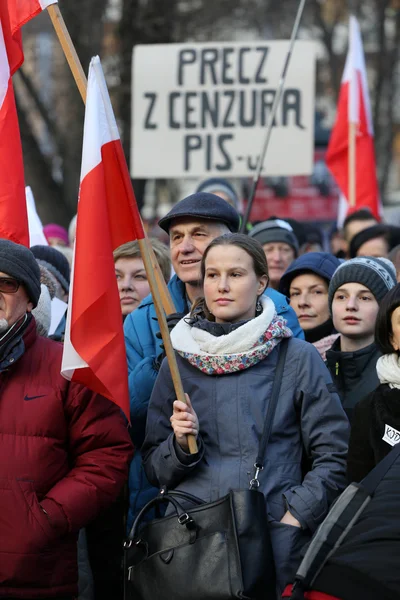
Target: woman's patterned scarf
<point x="236" y="351"/>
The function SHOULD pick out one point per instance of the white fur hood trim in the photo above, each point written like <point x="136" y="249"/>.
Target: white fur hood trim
<point x="189" y="339"/>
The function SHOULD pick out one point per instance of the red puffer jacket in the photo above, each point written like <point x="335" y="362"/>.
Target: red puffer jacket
<point x="64" y="451"/>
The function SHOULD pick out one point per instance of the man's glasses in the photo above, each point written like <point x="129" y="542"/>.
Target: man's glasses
<point x="8" y="285"/>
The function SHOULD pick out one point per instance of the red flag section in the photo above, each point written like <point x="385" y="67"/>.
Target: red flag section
<point x="354" y="106"/>
<point x="13" y="215"/>
<point x="94" y="347"/>
<point x="22" y="11"/>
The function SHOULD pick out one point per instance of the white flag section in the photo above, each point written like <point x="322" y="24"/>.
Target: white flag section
<point x="4" y="69"/>
<point x="354" y="69"/>
<point x="70" y="359"/>
<point x="202" y="110"/>
<point x="36" y="235"/>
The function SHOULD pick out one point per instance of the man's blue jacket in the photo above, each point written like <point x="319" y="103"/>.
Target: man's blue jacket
<point x="142" y="348"/>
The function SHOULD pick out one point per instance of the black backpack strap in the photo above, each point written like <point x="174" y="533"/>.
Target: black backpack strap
<point x="373" y="479"/>
<point x="269" y="418"/>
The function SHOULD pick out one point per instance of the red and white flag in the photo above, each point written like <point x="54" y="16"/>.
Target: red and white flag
<point x="94" y="347"/>
<point x="354" y="107"/>
<point x="22" y="11"/>
<point x="13" y="214"/>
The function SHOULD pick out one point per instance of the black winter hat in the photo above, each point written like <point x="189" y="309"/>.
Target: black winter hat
<point x="55" y="262"/>
<point x="370" y="233"/>
<point x="320" y="263"/>
<point x="377" y="274"/>
<point x="203" y="206"/>
<point x="18" y="261"/>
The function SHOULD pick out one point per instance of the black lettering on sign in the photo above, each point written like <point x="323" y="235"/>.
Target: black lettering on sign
<point x="252" y="163"/>
<point x="251" y="120"/>
<point x="267" y="100"/>
<point x="209" y="112"/>
<point x="226" y="65"/>
<point x="208" y="156"/>
<point x="242" y="78"/>
<point x="226" y="122"/>
<point x="209" y="56"/>
<point x="152" y="100"/>
<point x="191" y="144"/>
<point x="171" y="110"/>
<point x="291" y="103"/>
<point x="221" y="139"/>
<point x="190" y="108"/>
<point x="186" y="57"/>
<point x="263" y="52"/>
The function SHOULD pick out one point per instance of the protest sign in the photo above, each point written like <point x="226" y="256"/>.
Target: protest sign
<point x="201" y="110"/>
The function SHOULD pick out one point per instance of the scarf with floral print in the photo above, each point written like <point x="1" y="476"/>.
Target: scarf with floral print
<point x="238" y="350"/>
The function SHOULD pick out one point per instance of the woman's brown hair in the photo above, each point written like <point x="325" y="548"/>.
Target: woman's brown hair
<point x="249" y="245"/>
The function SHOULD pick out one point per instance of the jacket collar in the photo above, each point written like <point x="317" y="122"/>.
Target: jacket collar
<point x="16" y="344"/>
<point x="350" y="364"/>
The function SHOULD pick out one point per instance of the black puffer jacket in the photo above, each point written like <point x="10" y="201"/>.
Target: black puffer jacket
<point x="354" y="373"/>
<point x="366" y="564"/>
<point x="376" y="427"/>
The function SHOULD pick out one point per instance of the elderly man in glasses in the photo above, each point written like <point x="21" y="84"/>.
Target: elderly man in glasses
<point x="64" y="449"/>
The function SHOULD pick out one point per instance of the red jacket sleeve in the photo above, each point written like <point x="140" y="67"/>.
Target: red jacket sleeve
<point x="100" y="451"/>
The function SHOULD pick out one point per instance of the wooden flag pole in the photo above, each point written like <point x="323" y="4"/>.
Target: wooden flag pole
<point x="68" y="48"/>
<point x="352" y="164"/>
<point x="81" y="82"/>
<point x="161" y="296"/>
<point x="173" y="365"/>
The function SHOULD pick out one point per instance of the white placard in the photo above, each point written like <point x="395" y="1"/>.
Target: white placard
<point x="58" y="308"/>
<point x="201" y="110"/>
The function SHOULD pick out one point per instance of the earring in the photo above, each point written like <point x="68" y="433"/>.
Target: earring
<point x="259" y="306"/>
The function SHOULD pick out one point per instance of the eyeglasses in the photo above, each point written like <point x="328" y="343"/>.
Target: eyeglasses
<point x="9" y="285"/>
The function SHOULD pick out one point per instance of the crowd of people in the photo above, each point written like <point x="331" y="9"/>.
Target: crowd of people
<point x="237" y="297"/>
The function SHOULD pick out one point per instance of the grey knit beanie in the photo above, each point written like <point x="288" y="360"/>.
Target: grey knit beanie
<point x="275" y="230"/>
<point x="377" y="274"/>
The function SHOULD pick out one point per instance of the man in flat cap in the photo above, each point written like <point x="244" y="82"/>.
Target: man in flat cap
<point x="192" y="224"/>
<point x="64" y="449"/>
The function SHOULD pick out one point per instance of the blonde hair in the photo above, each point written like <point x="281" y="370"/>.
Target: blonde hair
<point x="131" y="250"/>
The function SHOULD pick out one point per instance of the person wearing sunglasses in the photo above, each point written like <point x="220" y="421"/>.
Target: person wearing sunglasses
<point x="65" y="450"/>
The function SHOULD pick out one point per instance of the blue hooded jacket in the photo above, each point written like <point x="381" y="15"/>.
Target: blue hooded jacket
<point x="142" y="348"/>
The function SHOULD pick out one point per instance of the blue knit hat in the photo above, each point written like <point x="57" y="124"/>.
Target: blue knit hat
<point x="203" y="206"/>
<point x="319" y="263"/>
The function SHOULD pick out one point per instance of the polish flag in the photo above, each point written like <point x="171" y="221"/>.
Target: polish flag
<point x="19" y="13"/>
<point x="354" y="107"/>
<point x="13" y="215"/>
<point x="94" y="347"/>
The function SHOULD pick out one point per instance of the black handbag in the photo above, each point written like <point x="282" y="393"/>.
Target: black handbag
<point x="211" y="551"/>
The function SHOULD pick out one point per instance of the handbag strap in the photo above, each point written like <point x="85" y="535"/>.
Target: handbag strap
<point x="269" y="418"/>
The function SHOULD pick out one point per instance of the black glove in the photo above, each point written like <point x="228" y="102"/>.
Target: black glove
<point x="172" y="320"/>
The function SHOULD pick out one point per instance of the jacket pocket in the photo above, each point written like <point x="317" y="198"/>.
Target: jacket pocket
<point x="287" y="544"/>
<point x="24" y="528"/>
